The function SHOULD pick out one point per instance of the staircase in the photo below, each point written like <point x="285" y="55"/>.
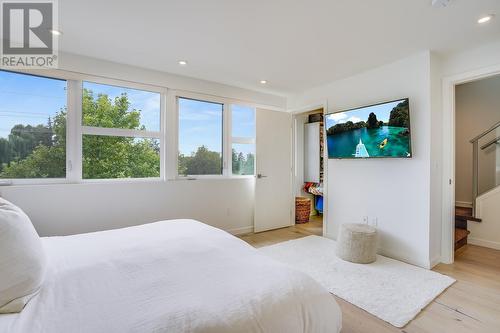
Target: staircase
<point x="485" y="161"/>
<point x="462" y="216"/>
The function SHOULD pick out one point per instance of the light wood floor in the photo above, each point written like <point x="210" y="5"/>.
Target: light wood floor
<point x="472" y="304"/>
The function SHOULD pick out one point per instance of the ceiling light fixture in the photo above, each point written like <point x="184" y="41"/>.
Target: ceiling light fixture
<point x="440" y="3"/>
<point x="55" y="32"/>
<point x="263" y="81"/>
<point x="485" y="19"/>
<point x="183" y="62"/>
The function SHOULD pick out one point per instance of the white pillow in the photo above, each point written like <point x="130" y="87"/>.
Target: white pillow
<point x="22" y="260"/>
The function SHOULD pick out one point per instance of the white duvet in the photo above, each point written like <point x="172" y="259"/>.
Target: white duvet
<point x="170" y="276"/>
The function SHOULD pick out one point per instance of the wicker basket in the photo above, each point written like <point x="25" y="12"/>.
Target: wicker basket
<point x="302" y="209"/>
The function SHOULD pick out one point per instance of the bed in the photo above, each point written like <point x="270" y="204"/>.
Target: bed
<point x="170" y="276"/>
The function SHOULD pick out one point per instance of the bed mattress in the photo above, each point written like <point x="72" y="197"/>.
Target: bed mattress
<point x="170" y="276"/>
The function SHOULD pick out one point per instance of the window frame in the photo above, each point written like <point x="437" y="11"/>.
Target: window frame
<point x="227" y="138"/>
<point x="243" y="140"/>
<point x="175" y="157"/>
<point x="168" y="134"/>
<point x="49" y="74"/>
<point x="121" y="132"/>
<point x="75" y="129"/>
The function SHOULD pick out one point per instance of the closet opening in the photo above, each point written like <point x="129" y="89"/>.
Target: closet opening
<point x="309" y="171"/>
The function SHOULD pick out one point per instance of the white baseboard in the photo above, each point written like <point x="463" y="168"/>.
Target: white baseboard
<point x="240" y="231"/>
<point x="466" y="204"/>
<point x="398" y="256"/>
<point x="484" y="243"/>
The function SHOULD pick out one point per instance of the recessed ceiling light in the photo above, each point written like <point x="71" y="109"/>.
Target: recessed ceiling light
<point x="263" y="81"/>
<point x="55" y="32"/>
<point x="183" y="62"/>
<point x="440" y="3"/>
<point x="485" y="19"/>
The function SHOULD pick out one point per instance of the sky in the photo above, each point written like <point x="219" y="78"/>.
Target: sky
<point x="382" y="111"/>
<point x="27" y="99"/>
<point x="200" y="123"/>
<point x="147" y="102"/>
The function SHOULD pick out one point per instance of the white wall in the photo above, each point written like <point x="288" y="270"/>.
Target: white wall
<point x="395" y="191"/>
<point x="76" y="208"/>
<point x="68" y="209"/>
<point x="300" y="120"/>
<point x="480" y="57"/>
<point x="477" y="108"/>
<point x="487" y="233"/>
<point x="436" y="165"/>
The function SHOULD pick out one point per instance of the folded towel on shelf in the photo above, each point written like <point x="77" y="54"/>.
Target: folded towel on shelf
<point x="314" y="188"/>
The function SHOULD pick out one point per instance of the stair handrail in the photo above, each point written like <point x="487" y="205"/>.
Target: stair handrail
<point x="475" y="162"/>
<point x="492" y="128"/>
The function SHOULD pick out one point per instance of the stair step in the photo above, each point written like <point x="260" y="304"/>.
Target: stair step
<point x="460" y="237"/>
<point x="465" y="214"/>
<point x="461" y="234"/>
<point x="467" y="218"/>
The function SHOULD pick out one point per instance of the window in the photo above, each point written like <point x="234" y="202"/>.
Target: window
<point x="118" y="107"/>
<point x="121" y="132"/>
<point x="200" y="137"/>
<point x="243" y="140"/>
<point x="32" y="126"/>
<point x="76" y="127"/>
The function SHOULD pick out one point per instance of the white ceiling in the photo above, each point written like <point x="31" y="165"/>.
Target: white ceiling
<point x="294" y="44"/>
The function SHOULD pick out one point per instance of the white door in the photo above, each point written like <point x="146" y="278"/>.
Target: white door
<point x="273" y="199"/>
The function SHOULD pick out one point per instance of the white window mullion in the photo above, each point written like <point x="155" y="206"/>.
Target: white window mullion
<point x="171" y="135"/>
<point x="91" y="130"/>
<point x="163" y="126"/>
<point x="74" y="132"/>
<point x="226" y="134"/>
<point x="245" y="141"/>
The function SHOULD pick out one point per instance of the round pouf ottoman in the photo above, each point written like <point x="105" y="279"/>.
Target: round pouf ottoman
<point x="357" y="243"/>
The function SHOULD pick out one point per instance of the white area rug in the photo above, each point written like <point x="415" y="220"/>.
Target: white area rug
<point x="389" y="289"/>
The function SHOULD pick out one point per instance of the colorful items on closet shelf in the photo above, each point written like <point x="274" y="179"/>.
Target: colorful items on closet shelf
<point x="319" y="204"/>
<point x="314" y="188"/>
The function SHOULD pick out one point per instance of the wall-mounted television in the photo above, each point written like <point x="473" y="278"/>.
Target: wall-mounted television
<point x="373" y="131"/>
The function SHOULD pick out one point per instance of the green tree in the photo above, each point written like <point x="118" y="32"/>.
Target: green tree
<point x="40" y="151"/>
<point x="116" y="157"/>
<point x="243" y="165"/>
<point x="249" y="166"/>
<point x="35" y="151"/>
<point x="235" y="163"/>
<point x="5" y="152"/>
<point x="201" y="162"/>
<point x="43" y="162"/>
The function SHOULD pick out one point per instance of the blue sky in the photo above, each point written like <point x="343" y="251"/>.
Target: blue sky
<point x="243" y="121"/>
<point x="147" y="102"/>
<point x="26" y="99"/>
<point x="382" y="111"/>
<point x="200" y="123"/>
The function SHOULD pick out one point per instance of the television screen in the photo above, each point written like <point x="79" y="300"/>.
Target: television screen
<point x="380" y="130"/>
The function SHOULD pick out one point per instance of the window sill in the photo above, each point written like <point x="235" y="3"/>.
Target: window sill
<point x="194" y="178"/>
<point x="37" y="182"/>
<point x="44" y="182"/>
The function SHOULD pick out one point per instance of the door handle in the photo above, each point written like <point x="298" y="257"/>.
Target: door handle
<point x="259" y="176"/>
